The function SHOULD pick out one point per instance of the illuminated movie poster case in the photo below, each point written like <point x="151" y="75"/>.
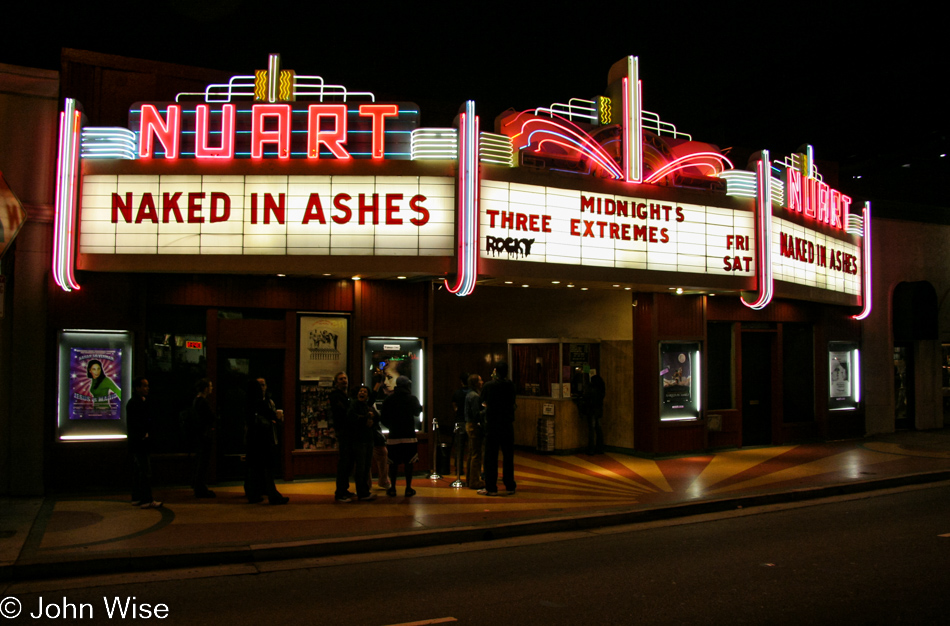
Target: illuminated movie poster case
<point x="387" y="358"/>
<point x="844" y="376"/>
<point x="323" y="342"/>
<point x="95" y="380"/>
<point x="679" y="381"/>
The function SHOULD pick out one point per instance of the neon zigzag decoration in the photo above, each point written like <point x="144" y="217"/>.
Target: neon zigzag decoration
<point x="565" y="133"/>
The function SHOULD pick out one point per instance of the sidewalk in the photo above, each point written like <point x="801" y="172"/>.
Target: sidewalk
<point x="75" y="535"/>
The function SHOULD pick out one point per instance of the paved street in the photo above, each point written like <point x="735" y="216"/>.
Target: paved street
<point x="865" y="559"/>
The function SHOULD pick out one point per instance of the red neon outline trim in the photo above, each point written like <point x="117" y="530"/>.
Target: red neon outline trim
<point x="378" y="112"/>
<point x="281" y="136"/>
<point x="334" y="139"/>
<point x="202" y="123"/>
<point x="168" y="132"/>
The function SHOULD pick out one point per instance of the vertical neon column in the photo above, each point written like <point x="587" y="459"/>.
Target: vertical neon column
<point x="64" y="222"/>
<point x="763" y="232"/>
<point x="866" y="264"/>
<point x="467" y="213"/>
<point x="633" y="122"/>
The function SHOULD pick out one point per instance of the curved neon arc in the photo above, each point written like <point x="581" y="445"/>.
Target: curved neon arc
<point x="866" y="253"/>
<point x="568" y="130"/>
<point x="688" y="161"/>
<point x="560" y="140"/>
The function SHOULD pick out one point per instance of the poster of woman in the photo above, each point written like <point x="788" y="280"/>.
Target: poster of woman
<point x="677" y="377"/>
<point x="94" y="393"/>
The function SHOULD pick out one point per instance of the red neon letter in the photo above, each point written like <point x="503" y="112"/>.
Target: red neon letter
<point x="202" y="149"/>
<point x="281" y="136"/>
<point x="167" y="131"/>
<point x="793" y="190"/>
<point x="824" y="196"/>
<point x="334" y="139"/>
<point x="378" y="112"/>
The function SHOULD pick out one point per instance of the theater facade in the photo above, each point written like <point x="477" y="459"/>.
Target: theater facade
<point x="274" y="225"/>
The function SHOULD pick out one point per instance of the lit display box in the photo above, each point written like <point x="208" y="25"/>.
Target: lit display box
<point x="95" y="380"/>
<point x="844" y="376"/>
<point x="680" y="389"/>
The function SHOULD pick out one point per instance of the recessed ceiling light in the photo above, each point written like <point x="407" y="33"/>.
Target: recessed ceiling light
<point x="356" y="278"/>
<point x="570" y="285"/>
<point x="583" y="288"/>
<point x="555" y="282"/>
<point x="679" y="290"/>
<point x="281" y="275"/>
<point x="401" y="277"/>
<point x="616" y="285"/>
<point x="627" y="288"/>
<point x="507" y="282"/>
<point x="524" y="285"/>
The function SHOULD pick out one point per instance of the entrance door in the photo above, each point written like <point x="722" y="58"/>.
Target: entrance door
<point x="903" y="386"/>
<point x="237" y="367"/>
<point x="757" y="388"/>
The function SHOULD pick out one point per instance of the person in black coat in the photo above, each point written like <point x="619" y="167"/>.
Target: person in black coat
<point x="262" y="423"/>
<point x="399" y="415"/>
<point x="139" y="416"/>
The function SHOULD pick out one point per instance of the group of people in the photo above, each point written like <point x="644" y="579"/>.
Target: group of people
<point x="358" y="427"/>
<point x="488" y="412"/>
<point x="262" y="420"/>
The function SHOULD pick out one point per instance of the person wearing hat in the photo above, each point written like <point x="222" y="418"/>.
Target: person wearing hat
<point x="399" y="413"/>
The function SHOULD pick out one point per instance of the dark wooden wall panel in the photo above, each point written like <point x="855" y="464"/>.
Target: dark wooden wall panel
<point x="680" y="317"/>
<point x="645" y="396"/>
<point x="391" y="308"/>
<point x="265" y="292"/>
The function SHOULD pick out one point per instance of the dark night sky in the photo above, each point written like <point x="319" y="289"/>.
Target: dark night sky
<point x="866" y="89"/>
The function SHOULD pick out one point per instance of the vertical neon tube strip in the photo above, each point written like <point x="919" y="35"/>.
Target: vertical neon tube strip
<point x="763" y="236"/>
<point x="67" y="166"/>
<point x="856" y="374"/>
<point x="633" y="122"/>
<point x="273" y="77"/>
<point x="467" y="213"/>
<point x="866" y="263"/>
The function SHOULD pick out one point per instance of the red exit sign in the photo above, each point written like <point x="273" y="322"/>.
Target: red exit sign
<point x="193" y="345"/>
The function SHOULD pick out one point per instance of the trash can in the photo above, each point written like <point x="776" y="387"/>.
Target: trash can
<point x="443" y="459"/>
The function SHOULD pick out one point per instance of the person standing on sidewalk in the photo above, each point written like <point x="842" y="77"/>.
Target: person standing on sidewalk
<point x="363" y="417"/>
<point x="262" y="420"/>
<point x="498" y="396"/>
<point x="139" y="416"/>
<point x="475" y="429"/>
<point x="203" y="437"/>
<point x="339" y="407"/>
<point x="399" y="415"/>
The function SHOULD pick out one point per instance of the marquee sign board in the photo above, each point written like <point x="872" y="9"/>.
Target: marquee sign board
<point x="553" y="225"/>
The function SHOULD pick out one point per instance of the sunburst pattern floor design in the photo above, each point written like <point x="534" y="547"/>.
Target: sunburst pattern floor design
<point x="548" y="486"/>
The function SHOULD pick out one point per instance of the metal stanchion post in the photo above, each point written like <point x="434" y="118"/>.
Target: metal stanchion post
<point x="434" y="441"/>
<point x="459" y="428"/>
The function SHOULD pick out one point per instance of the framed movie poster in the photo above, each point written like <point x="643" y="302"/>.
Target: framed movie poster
<point x="95" y="381"/>
<point x="323" y="342"/>
<point x="93" y="377"/>
<point x="844" y="376"/>
<point x="679" y="381"/>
